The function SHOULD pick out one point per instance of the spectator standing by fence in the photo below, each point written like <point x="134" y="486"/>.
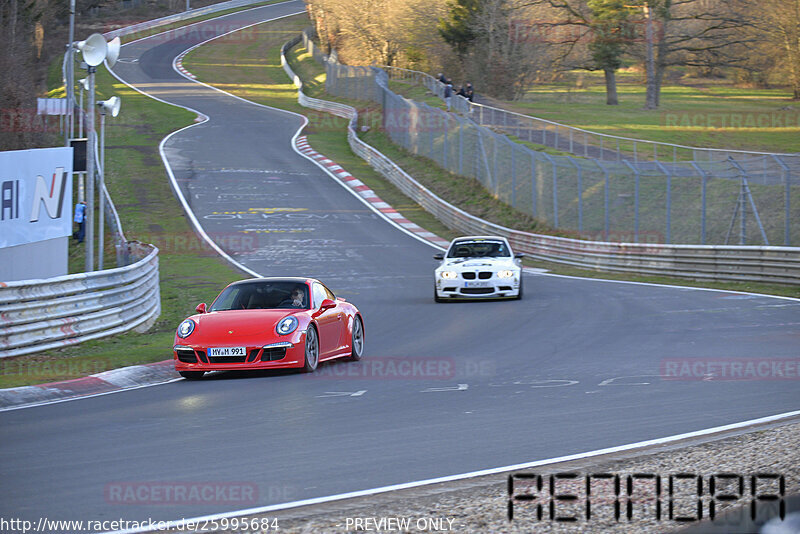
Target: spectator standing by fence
<point x="448" y="94"/>
<point x="80" y="218"/>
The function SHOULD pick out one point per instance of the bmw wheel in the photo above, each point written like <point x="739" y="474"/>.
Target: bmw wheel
<point x="312" y="350"/>
<point x="436" y="297"/>
<point x="357" y="343"/>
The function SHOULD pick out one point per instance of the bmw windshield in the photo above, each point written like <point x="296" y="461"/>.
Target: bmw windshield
<point x="479" y="249"/>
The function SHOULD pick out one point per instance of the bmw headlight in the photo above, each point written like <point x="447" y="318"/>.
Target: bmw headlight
<point x="287" y="325"/>
<point x="505" y="274"/>
<point x="186" y="328"/>
<point x="448" y="274"/>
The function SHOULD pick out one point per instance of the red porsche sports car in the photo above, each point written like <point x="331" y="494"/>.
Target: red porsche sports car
<point x="269" y="323"/>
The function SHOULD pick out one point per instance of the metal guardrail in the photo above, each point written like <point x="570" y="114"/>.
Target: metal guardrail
<point x="763" y="264"/>
<point x="178" y="17"/>
<point x="37" y="315"/>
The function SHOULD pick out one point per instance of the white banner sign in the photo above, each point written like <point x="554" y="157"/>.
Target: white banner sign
<point x="35" y="195"/>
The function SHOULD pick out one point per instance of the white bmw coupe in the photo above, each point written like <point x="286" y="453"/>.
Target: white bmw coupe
<point x="478" y="267"/>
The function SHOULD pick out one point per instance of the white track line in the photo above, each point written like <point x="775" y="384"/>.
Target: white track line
<point x="180" y="70"/>
<point x="462" y="476"/>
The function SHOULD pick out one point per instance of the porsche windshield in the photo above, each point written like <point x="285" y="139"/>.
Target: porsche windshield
<point x="478" y="249"/>
<point x="262" y="296"/>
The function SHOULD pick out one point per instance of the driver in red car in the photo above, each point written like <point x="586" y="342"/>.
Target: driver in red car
<point x="297" y="300"/>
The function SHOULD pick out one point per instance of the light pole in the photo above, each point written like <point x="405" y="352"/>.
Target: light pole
<point x="94" y="51"/>
<point x="70" y="81"/>
<point x="112" y="105"/>
<point x="84" y="82"/>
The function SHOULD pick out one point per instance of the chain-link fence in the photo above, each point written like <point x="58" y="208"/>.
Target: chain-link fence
<point x="726" y="198"/>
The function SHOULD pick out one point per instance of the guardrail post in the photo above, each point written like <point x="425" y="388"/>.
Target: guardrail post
<point x="571" y="151"/>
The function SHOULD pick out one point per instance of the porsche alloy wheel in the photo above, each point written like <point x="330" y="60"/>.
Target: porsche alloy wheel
<point x="312" y="350"/>
<point x="519" y="293"/>
<point x="192" y="375"/>
<point x="357" y="343"/>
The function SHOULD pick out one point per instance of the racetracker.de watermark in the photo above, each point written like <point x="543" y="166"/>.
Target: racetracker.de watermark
<point x="234" y="493"/>
<point x="730" y="369"/>
<point x="729" y="120"/>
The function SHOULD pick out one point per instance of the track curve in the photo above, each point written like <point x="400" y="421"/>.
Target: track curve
<point x="571" y="368"/>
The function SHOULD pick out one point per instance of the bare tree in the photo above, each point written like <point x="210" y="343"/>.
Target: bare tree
<point x="695" y="33"/>
<point x="778" y="23"/>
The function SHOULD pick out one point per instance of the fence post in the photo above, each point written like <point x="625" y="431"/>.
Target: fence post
<point x="669" y="200"/>
<point x="533" y="183"/>
<point x="580" y="193"/>
<point x="513" y="175"/>
<point x="703" y="202"/>
<point x="444" y="140"/>
<point x="787" y="200"/>
<point x="461" y="147"/>
<point x="635" y="202"/>
<point x="555" y="188"/>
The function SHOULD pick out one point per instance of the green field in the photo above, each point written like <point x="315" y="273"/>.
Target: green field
<point x="698" y="113"/>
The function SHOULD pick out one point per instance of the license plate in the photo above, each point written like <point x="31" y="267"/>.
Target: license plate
<point x="227" y="351"/>
<point x="476" y="284"/>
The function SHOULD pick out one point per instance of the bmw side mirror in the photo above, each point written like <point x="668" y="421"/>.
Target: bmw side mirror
<point x="201" y="308"/>
<point x="519" y="255"/>
<point x="439" y="256"/>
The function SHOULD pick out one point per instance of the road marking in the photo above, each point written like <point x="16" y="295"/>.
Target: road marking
<point x="460" y="387"/>
<point x="610" y="381"/>
<point x="342" y="394"/>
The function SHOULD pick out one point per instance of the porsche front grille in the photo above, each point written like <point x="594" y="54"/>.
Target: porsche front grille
<point x="186" y="355"/>
<point x="227" y="359"/>
<point x="273" y="353"/>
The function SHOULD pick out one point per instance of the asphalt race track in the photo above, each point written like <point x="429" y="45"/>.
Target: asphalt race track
<point x="572" y="367"/>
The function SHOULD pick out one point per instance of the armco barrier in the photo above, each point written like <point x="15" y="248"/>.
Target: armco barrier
<point x="37" y="315"/>
<point x="741" y="263"/>
<point x="178" y="17"/>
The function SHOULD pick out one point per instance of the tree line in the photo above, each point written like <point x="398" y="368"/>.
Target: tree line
<point x="504" y="46"/>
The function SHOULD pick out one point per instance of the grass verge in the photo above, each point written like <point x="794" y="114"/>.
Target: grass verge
<point x="150" y="213"/>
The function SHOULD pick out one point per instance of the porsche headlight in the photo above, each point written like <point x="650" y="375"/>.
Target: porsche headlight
<point x="186" y="328"/>
<point x="505" y="274"/>
<point x="287" y="325"/>
<point x="449" y="275"/>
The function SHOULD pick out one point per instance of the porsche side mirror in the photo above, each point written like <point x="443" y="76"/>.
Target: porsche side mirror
<point x="327" y="304"/>
<point x="201" y="308"/>
<point x="519" y="255"/>
<point x="439" y="256"/>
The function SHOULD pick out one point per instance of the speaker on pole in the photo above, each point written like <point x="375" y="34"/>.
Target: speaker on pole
<point x="110" y="106"/>
<point x="94" y="49"/>
<point x="113" y="51"/>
